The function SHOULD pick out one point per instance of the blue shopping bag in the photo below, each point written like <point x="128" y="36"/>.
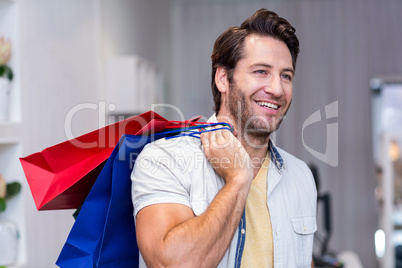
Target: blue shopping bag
<point x="103" y="234"/>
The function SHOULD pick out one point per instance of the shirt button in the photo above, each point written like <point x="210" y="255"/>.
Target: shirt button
<point x="304" y="228"/>
<point x="243" y="231"/>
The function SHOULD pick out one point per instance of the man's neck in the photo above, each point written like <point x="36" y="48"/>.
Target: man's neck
<point x="257" y="150"/>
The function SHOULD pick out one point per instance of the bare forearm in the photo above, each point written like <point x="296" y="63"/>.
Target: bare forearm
<point x="228" y="229"/>
<point x="202" y="241"/>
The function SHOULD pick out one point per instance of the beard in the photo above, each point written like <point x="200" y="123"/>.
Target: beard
<point x="248" y="122"/>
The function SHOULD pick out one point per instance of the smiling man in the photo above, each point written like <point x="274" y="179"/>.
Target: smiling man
<point x="239" y="201"/>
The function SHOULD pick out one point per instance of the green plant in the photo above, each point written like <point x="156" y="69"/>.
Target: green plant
<point x="5" y="54"/>
<point x="7" y="191"/>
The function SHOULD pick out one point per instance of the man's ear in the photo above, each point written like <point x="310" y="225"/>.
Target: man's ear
<point x="221" y="79"/>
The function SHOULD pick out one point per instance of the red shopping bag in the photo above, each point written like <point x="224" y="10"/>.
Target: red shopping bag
<point x="61" y="176"/>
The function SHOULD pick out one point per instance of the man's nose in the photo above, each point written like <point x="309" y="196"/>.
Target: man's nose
<point x="274" y="86"/>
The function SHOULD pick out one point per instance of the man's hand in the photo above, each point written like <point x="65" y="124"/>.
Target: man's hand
<point x="227" y="156"/>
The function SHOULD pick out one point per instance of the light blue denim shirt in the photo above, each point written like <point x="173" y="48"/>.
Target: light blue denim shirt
<point x="177" y="171"/>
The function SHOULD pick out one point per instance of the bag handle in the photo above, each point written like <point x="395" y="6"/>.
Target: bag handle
<point x="195" y="129"/>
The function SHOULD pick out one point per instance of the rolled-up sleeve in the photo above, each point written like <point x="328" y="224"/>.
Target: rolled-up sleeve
<point x="157" y="178"/>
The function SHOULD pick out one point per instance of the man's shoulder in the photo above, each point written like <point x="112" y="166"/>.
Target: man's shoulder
<point x="292" y="162"/>
<point x="288" y="156"/>
<point x="298" y="173"/>
<point x="181" y="145"/>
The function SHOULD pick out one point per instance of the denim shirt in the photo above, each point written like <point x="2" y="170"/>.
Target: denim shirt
<point x="177" y="171"/>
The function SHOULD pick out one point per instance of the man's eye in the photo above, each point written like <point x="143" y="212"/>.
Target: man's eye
<point x="287" y="77"/>
<point x="261" y="72"/>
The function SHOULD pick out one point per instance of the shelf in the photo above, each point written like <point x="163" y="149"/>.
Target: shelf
<point x="10" y="132"/>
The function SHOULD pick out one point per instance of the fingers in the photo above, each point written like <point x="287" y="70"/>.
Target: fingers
<point x="226" y="134"/>
<point x="223" y="150"/>
<point x="204" y="137"/>
<point x="212" y="138"/>
<point x="219" y="138"/>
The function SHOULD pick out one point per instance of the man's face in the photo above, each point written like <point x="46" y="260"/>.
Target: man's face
<point x="261" y="89"/>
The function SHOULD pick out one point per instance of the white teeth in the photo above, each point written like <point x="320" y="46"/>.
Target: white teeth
<point x="267" y="104"/>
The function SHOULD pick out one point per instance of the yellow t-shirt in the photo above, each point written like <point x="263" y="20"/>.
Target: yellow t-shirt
<point x="259" y="248"/>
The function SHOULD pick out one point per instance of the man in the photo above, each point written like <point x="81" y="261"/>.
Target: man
<point x="231" y="199"/>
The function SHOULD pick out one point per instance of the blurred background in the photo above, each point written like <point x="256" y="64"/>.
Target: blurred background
<point x="135" y="53"/>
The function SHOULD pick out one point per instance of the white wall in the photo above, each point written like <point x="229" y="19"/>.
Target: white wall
<point x="63" y="45"/>
<point x="59" y="69"/>
<point x="138" y="28"/>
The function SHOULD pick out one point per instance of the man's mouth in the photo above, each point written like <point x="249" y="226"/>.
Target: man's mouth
<point x="267" y="105"/>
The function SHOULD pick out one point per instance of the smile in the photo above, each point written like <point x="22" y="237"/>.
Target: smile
<point x="267" y="105"/>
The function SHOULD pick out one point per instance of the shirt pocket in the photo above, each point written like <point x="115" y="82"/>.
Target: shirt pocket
<point x="304" y="229"/>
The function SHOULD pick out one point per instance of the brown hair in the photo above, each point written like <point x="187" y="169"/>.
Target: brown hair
<point x="228" y="48"/>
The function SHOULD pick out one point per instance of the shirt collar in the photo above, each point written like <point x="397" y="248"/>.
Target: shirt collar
<point x="276" y="157"/>
<point x="213" y="119"/>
